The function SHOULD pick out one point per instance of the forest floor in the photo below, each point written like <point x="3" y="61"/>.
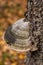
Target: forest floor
<point x="10" y="11"/>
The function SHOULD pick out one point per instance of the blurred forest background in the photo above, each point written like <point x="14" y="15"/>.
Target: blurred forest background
<point x="10" y="11"/>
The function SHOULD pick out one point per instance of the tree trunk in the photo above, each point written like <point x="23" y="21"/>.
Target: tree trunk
<point x="36" y="31"/>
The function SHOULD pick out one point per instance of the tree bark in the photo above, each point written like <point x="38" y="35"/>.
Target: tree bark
<point x="36" y="31"/>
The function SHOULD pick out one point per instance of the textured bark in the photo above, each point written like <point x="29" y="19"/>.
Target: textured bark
<point x="36" y="33"/>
